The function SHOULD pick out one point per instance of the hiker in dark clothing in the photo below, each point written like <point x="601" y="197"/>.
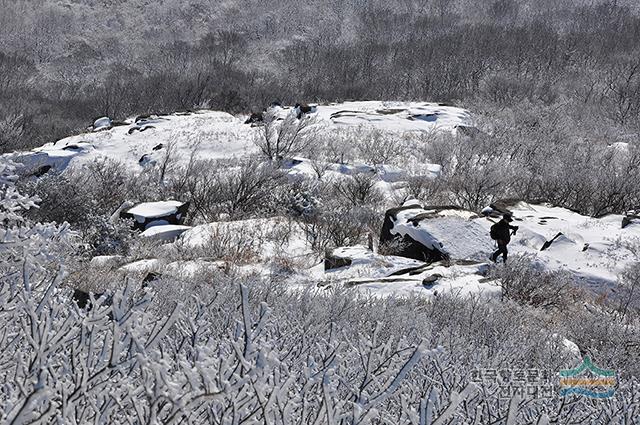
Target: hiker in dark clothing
<point x="501" y="233"/>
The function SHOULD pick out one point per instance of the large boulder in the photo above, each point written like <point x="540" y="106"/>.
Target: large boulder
<point x="630" y="219"/>
<point x="390" y="173"/>
<point x="103" y="123"/>
<point x="302" y="109"/>
<point x="149" y="214"/>
<point x="436" y="233"/>
<point x="500" y="207"/>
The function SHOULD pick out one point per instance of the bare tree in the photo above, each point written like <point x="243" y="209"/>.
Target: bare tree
<point x="278" y="138"/>
<point x="358" y="190"/>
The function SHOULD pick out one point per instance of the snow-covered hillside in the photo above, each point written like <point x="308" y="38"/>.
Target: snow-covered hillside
<point x="144" y="141"/>
<point x="594" y="250"/>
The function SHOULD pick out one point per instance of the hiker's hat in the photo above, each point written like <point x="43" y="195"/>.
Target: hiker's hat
<point x="507" y="217"/>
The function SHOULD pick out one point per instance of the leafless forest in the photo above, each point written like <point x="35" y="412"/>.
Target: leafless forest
<point x="569" y="63"/>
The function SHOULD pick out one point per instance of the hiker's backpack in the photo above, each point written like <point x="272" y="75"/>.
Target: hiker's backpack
<point x="494" y="232"/>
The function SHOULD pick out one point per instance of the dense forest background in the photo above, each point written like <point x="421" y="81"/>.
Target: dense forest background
<point x="66" y="62"/>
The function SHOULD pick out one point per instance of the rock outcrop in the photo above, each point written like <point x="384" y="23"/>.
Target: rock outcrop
<point x="151" y="214"/>
<point x="437" y="233"/>
<point x="335" y="260"/>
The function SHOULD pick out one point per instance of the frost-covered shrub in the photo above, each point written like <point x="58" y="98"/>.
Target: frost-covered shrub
<point x="223" y="352"/>
<point x="237" y="245"/>
<point x="104" y="235"/>
<point x="301" y="198"/>
<point x="345" y="227"/>
<point x="26" y="247"/>
<point x="528" y="283"/>
<point x="357" y="190"/>
<point x="218" y="191"/>
<point x="86" y="199"/>
<point x="603" y="336"/>
<point x="338" y="150"/>
<point x="375" y="147"/>
<point x="334" y="225"/>
<point x="157" y="367"/>
<point x="537" y="154"/>
<point x="278" y="138"/>
<point x="392" y="246"/>
<point x="98" y="188"/>
<point x="423" y="188"/>
<point x="629" y="302"/>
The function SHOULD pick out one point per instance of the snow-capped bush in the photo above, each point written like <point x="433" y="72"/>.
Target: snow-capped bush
<point x="279" y="138"/>
<point x="630" y="290"/>
<point x="227" y="349"/>
<point x="253" y="351"/>
<point x="216" y="190"/>
<point x="524" y="281"/>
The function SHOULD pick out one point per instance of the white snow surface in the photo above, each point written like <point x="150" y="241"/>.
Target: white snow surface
<point x="177" y="269"/>
<point x="596" y="250"/>
<point x="395" y="116"/>
<point x="382" y="275"/>
<point x="461" y="233"/>
<point x="366" y="263"/>
<point x="219" y="135"/>
<point x="154" y="209"/>
<point x="107" y="261"/>
<point x="167" y="232"/>
<point x="458" y="280"/>
<point x="453" y="232"/>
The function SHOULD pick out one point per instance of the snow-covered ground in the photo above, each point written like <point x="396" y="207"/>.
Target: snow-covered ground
<point x="595" y="250"/>
<point x="211" y="134"/>
<point x="384" y="275"/>
<point x="218" y="135"/>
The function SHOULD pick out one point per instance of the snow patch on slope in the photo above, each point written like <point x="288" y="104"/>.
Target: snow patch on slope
<point x="219" y="135"/>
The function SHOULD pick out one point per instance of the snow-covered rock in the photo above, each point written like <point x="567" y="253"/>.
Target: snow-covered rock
<point x="388" y="275"/>
<point x="167" y="232"/>
<point x="398" y="116"/>
<point x="142" y="266"/>
<point x="567" y="345"/>
<point x="177" y="269"/>
<point x="486" y="211"/>
<point x="150" y="214"/>
<point x="102" y="124"/>
<point x="191" y="268"/>
<point x="359" y="260"/>
<point x="631" y="220"/>
<point x="390" y="173"/>
<point x="435" y="233"/>
<point x="107" y="261"/>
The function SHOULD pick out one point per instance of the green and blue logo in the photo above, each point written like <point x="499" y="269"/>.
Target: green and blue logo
<point x="588" y="380"/>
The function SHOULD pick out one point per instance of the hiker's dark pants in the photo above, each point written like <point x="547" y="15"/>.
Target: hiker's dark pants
<point x="502" y="249"/>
